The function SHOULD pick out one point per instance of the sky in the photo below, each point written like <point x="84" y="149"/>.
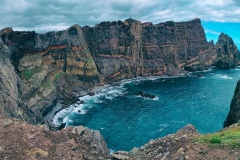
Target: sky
<point x="52" y="15"/>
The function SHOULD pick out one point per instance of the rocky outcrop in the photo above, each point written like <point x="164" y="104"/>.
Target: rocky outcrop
<point x="234" y="113"/>
<point x="227" y="52"/>
<point x="144" y="95"/>
<point x="185" y="144"/>
<point x="22" y="141"/>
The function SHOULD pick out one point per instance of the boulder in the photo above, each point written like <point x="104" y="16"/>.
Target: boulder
<point x="145" y="95"/>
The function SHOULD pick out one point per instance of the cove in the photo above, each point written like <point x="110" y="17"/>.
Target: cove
<point x="126" y="120"/>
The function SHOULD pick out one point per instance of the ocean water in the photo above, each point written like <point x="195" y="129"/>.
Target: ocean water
<point x="126" y="120"/>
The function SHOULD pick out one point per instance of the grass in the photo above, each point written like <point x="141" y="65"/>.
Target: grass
<point x="229" y="137"/>
<point x="28" y="73"/>
<point x="58" y="75"/>
<point x="89" y="60"/>
<point x="46" y="84"/>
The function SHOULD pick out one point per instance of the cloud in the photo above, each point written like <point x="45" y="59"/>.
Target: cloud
<point x="45" y="15"/>
<point x="212" y="32"/>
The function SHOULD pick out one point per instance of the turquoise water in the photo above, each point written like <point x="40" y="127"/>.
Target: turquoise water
<point x="126" y="120"/>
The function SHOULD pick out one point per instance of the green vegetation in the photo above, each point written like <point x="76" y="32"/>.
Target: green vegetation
<point x="58" y="75"/>
<point x="229" y="137"/>
<point x="28" y="73"/>
<point x="46" y="84"/>
<point x="89" y="60"/>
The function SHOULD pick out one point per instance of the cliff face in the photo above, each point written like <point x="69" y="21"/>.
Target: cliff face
<point x="227" y="52"/>
<point x="234" y="113"/>
<point x="128" y="49"/>
<point x="51" y="66"/>
<point x="10" y="89"/>
<point x="45" y="67"/>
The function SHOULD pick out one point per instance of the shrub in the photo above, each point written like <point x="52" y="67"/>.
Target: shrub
<point x="58" y="75"/>
<point x="215" y="140"/>
<point x="28" y="73"/>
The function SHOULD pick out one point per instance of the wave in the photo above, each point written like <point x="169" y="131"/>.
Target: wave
<point x="223" y="76"/>
<point x="141" y="79"/>
<point x="60" y="117"/>
<point x="107" y="93"/>
<point x="237" y="68"/>
<point x="154" y="99"/>
<point x="163" y="126"/>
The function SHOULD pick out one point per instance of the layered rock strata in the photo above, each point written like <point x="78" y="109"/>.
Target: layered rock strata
<point x="128" y="49"/>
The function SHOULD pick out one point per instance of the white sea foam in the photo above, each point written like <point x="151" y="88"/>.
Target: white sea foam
<point x="111" y="151"/>
<point x="208" y="70"/>
<point x="163" y="126"/>
<point x="58" y="118"/>
<point x="141" y="79"/>
<point x="107" y="93"/>
<point x="237" y="68"/>
<point x="224" y="76"/>
<point x="156" y="98"/>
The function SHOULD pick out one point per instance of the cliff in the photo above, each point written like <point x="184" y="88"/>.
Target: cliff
<point x="227" y="52"/>
<point x="234" y="113"/>
<point x="129" y="49"/>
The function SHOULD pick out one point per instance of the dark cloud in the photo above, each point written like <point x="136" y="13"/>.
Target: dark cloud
<point x="46" y="15"/>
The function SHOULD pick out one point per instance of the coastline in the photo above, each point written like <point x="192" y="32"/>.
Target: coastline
<point x="49" y="116"/>
<point x="96" y="89"/>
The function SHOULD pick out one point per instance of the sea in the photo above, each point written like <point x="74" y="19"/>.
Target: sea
<point x="126" y="120"/>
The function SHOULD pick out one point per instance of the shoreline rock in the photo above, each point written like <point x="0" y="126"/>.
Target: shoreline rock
<point x="144" y="95"/>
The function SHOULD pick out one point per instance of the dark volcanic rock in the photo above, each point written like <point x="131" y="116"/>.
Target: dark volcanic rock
<point x="145" y="95"/>
<point x="128" y="49"/>
<point x="227" y="52"/>
<point x="234" y="113"/>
